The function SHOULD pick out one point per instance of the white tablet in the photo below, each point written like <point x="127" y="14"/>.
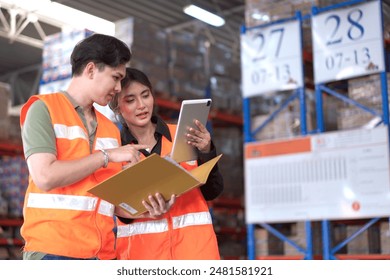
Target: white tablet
<point x="190" y="110"/>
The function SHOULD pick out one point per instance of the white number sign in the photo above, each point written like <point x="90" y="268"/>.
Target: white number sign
<point x="271" y="58"/>
<point x="348" y="42"/>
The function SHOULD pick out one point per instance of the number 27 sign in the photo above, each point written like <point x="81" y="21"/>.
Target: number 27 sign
<point x="271" y="58"/>
<point x="348" y="42"/>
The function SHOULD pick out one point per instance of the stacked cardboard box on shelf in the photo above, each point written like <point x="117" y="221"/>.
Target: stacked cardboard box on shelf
<point x="338" y="235"/>
<point x="9" y="121"/>
<point x="56" y="68"/>
<point x="181" y="65"/>
<point x="261" y="238"/>
<point x="228" y="141"/>
<point x="268" y="245"/>
<point x="15" y="132"/>
<point x="229" y="225"/>
<point x="5" y="97"/>
<point x="13" y="169"/>
<point x="188" y="74"/>
<point x="359" y="245"/>
<point x="286" y="123"/>
<point x="354" y="117"/>
<point x="196" y="66"/>
<point x="365" y="90"/>
<point x="385" y="237"/>
<point x="14" y="179"/>
<point x="148" y="47"/>
<point x="225" y="71"/>
<point x="298" y="236"/>
<point x="365" y="242"/>
<point x="258" y="12"/>
<point x="224" y="63"/>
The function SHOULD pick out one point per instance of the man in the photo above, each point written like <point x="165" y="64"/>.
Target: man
<point x="70" y="147"/>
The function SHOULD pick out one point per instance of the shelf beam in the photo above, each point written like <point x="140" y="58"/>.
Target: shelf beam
<point x="10" y="148"/>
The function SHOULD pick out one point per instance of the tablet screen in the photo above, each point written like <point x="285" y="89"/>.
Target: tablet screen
<point x="190" y="109"/>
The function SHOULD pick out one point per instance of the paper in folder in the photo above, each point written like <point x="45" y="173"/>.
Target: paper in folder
<point x="154" y="174"/>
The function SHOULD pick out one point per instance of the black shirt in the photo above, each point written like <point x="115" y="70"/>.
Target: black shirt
<point x="214" y="184"/>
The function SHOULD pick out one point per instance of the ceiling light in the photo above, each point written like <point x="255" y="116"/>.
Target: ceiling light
<point x="203" y="15"/>
<point x="259" y="16"/>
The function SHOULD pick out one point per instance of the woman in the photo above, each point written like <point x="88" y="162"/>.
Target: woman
<point x="186" y="230"/>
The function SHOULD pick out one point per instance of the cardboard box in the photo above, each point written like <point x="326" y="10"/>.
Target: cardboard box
<point x="385" y="237"/>
<point x="4" y="128"/>
<point x="358" y="245"/>
<point x="131" y="186"/>
<point x="5" y="100"/>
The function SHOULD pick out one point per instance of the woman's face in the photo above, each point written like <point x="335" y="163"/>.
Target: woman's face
<point x="136" y="103"/>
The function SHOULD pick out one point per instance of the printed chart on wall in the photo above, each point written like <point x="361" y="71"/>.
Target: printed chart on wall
<point x="333" y="175"/>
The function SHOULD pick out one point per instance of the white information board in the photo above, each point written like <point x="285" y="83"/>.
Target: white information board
<point x="333" y="175"/>
<point x="271" y="58"/>
<point x="348" y="42"/>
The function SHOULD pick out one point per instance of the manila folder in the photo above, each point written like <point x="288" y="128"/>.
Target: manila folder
<point x="154" y="174"/>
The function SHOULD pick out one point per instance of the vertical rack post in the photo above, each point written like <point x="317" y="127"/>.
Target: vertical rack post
<point x="249" y="133"/>
<point x="320" y="88"/>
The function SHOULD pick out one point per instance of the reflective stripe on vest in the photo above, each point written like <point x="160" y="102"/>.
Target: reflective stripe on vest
<point x="142" y="228"/>
<point x="191" y="219"/>
<point x="106" y="208"/>
<point x="68" y="202"/>
<point x="74" y="132"/>
<point x="106" y="143"/>
<point x="69" y="132"/>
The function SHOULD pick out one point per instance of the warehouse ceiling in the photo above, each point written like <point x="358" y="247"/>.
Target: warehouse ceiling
<point x="21" y="52"/>
<point x="20" y="56"/>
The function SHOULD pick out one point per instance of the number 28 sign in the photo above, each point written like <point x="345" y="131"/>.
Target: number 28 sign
<point x="271" y="58"/>
<point x="348" y="42"/>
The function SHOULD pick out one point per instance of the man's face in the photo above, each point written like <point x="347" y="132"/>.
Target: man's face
<point x="107" y="83"/>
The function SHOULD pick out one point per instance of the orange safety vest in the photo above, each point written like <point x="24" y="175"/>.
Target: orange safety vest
<point x="69" y="221"/>
<point x="186" y="232"/>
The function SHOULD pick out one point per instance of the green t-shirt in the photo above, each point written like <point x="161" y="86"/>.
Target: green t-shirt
<point x="38" y="133"/>
<point x="38" y="137"/>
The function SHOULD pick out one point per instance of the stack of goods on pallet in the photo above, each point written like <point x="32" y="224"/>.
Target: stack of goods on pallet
<point x="183" y="65"/>
<point x="287" y="123"/>
<point x="366" y="91"/>
<point x="228" y="141"/>
<point x="187" y="65"/>
<point x="373" y="240"/>
<point x="14" y="181"/>
<point x="270" y="246"/>
<point x="56" y="68"/>
<point x="225" y="73"/>
<point x="5" y="97"/>
<point x="384" y="229"/>
<point x="149" y="47"/>
<point x="196" y="66"/>
<point x="228" y="221"/>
